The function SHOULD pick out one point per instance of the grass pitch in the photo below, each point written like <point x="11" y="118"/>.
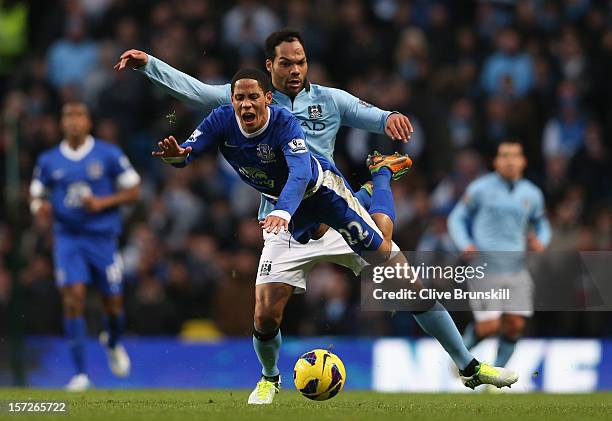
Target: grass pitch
<point x="229" y="405"/>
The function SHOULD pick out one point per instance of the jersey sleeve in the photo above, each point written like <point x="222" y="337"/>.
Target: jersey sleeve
<point x="298" y="159"/>
<point x="539" y="221"/>
<point x="205" y="137"/>
<point x="184" y="87"/>
<point x="359" y="114"/>
<point x="41" y="180"/>
<point x="461" y="216"/>
<point x="121" y="170"/>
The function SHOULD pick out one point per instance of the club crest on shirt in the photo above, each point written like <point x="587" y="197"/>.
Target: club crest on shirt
<point x="265" y="153"/>
<point x="314" y="111"/>
<point x="95" y="170"/>
<point x="56" y="174"/>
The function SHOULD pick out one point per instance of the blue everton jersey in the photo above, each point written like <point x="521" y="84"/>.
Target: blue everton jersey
<point x="66" y="176"/>
<point x="321" y="110"/>
<point x="274" y="160"/>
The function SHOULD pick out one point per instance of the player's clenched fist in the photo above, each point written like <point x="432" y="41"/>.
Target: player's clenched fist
<point x="398" y="127"/>
<point x="132" y="59"/>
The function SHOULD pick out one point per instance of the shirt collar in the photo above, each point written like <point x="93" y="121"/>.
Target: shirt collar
<point x="78" y="153"/>
<point x="258" y="132"/>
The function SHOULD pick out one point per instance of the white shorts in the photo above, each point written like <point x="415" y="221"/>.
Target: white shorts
<point x="285" y="260"/>
<point x="521" y="288"/>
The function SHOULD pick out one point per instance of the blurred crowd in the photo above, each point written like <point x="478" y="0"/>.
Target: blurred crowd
<point x="469" y="74"/>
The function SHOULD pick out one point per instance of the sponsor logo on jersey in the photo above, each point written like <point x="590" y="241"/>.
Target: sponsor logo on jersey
<point x="264" y="152"/>
<point x="56" y="174"/>
<point x="314" y="111"/>
<point x="256" y="176"/>
<point x="95" y="170"/>
<point x="365" y="104"/>
<point x="298" y="146"/>
<point x="265" y="268"/>
<point x="315" y="126"/>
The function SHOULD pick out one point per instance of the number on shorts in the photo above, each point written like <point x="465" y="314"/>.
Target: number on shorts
<point x="348" y="236"/>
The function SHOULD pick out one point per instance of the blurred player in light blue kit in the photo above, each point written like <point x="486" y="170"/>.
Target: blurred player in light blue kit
<point x="81" y="183"/>
<point x="502" y="212"/>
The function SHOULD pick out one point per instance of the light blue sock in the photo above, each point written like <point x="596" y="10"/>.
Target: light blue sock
<point x="76" y="332"/>
<point x="470" y="337"/>
<point x="439" y="324"/>
<point x="505" y="349"/>
<point x="267" y="348"/>
<point x="364" y="198"/>
<point x="382" y="197"/>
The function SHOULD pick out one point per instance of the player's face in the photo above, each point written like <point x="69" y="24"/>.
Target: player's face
<point x="289" y="67"/>
<point x="510" y="161"/>
<point x="250" y="104"/>
<point x="76" y="122"/>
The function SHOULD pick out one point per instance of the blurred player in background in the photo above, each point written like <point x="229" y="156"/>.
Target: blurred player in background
<point x="282" y="269"/>
<point x="81" y="183"/>
<point x="502" y="212"/>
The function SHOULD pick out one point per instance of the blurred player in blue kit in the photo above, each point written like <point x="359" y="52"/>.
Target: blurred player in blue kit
<point x="502" y="212"/>
<point x="81" y="183"/>
<point x="265" y="145"/>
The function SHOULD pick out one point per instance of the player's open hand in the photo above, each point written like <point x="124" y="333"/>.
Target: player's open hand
<point x="132" y="59"/>
<point x="169" y="148"/>
<point x="398" y="127"/>
<point x="274" y="224"/>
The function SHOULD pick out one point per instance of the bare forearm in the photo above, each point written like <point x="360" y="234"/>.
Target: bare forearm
<point x="122" y="197"/>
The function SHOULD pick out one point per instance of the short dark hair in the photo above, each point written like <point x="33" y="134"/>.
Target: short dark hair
<point x="75" y="103"/>
<point x="263" y="80"/>
<point x="276" y="38"/>
<point x="511" y="141"/>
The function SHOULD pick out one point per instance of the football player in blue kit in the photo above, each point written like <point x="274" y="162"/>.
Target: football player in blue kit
<point x="265" y="146"/>
<point x="81" y="183"/>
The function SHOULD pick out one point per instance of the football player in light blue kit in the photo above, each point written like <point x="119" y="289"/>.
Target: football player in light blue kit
<point x="502" y="212"/>
<point x="265" y="146"/>
<point x="81" y="183"/>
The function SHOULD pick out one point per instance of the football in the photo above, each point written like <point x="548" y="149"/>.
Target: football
<point x="319" y="375"/>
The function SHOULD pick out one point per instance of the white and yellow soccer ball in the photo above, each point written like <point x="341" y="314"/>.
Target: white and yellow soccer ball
<point x="319" y="375"/>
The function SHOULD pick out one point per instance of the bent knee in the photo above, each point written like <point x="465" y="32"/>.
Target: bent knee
<point x="267" y="320"/>
<point x="513" y="327"/>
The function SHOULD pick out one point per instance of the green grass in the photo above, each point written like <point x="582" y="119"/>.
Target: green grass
<point x="229" y="405"/>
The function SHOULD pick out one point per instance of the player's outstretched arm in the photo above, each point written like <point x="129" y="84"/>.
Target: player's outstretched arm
<point x="361" y="115"/>
<point x="180" y="85"/>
